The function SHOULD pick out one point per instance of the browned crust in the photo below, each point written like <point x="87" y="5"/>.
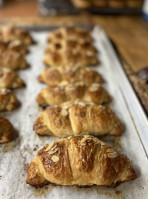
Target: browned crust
<point x="6" y="131"/>
<point x="80" y="160"/>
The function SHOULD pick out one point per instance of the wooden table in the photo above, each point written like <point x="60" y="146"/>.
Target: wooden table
<point x="129" y="33"/>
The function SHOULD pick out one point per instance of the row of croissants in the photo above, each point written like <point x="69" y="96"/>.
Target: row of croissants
<point x="14" y="43"/>
<point x="76" y="111"/>
<point x="117" y="4"/>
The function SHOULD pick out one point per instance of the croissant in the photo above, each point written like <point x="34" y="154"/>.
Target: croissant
<point x="8" y="100"/>
<point x="10" y="33"/>
<point x="70" y="45"/>
<point x="80" y="160"/>
<point x="55" y="95"/>
<point x="78" y="118"/>
<point x="15" y="45"/>
<point x="10" y="79"/>
<point x="54" y="76"/>
<point x="12" y="60"/>
<point x="6" y="130"/>
<point x="70" y="33"/>
<point x="56" y="58"/>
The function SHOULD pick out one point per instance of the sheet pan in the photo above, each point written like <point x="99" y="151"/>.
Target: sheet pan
<point x="16" y="156"/>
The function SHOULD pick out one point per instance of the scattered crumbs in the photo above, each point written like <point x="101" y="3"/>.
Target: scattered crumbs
<point x="42" y="191"/>
<point x="30" y="115"/>
<point x="114" y="194"/>
<point x="0" y="177"/>
<point x="36" y="147"/>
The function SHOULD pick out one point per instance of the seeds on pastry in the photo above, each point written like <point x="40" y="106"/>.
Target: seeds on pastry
<point x="64" y="112"/>
<point x="89" y="53"/>
<point x="113" y="155"/>
<point x="49" y="147"/>
<point x="4" y="91"/>
<point x="93" y="89"/>
<point x="81" y="103"/>
<point x="55" y="158"/>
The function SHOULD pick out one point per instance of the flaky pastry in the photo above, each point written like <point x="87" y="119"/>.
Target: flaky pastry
<point x="6" y="130"/>
<point x="12" y="60"/>
<point x="56" y="95"/>
<point x="80" y="160"/>
<point x="54" y="76"/>
<point x="15" y="45"/>
<point x="8" y="100"/>
<point x="10" y="79"/>
<point x="11" y="33"/>
<point x="78" y="118"/>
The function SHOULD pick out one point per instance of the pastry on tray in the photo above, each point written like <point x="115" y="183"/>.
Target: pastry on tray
<point x="12" y="60"/>
<point x="10" y="79"/>
<point x="6" y="130"/>
<point x="56" y="95"/>
<point x="57" y="59"/>
<point x="80" y="160"/>
<point x="116" y="3"/>
<point x="78" y="118"/>
<point x="11" y="33"/>
<point x="69" y="33"/>
<point x="8" y="100"/>
<point x="54" y="76"/>
<point x="15" y="45"/>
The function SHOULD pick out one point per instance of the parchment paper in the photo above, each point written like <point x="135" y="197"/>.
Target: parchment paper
<point x="16" y="156"/>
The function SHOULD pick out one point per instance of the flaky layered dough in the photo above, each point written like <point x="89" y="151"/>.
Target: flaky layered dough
<point x="10" y="79"/>
<point x="10" y="33"/>
<point x="71" y="34"/>
<point x="12" y="60"/>
<point x="80" y="160"/>
<point x="57" y="59"/>
<point x="8" y="100"/>
<point x="54" y="76"/>
<point x="55" y="95"/>
<point x="78" y="118"/>
<point x="6" y="130"/>
<point x="15" y="45"/>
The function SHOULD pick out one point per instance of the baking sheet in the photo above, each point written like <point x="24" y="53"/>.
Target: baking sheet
<point x="16" y="156"/>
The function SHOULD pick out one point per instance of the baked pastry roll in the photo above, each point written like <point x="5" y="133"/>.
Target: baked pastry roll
<point x="80" y="160"/>
<point x="15" y="45"/>
<point x="10" y="33"/>
<point x="70" y="33"/>
<point x="56" y="95"/>
<point x="12" y="60"/>
<point x="8" y="100"/>
<point x="63" y="58"/>
<point x="54" y="76"/>
<point x="78" y="118"/>
<point x="10" y="79"/>
<point x="6" y="130"/>
<point x="99" y="3"/>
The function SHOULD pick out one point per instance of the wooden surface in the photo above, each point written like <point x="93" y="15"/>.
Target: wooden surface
<point x="130" y="35"/>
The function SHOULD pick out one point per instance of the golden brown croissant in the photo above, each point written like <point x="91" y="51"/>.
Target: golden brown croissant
<point x="80" y="160"/>
<point x="15" y="45"/>
<point x="56" y="95"/>
<point x="78" y="118"/>
<point x="12" y="60"/>
<point x="70" y="33"/>
<point x="54" y="76"/>
<point x="10" y="79"/>
<point x="6" y="130"/>
<point x="57" y="59"/>
<point x="8" y="100"/>
<point x="74" y="46"/>
<point x="10" y="33"/>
